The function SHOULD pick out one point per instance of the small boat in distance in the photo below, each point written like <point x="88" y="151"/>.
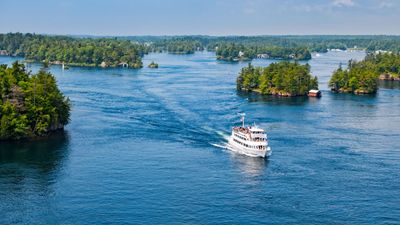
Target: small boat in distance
<point x="251" y="140"/>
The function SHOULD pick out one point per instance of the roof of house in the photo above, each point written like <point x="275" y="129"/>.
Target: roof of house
<point x="314" y="91"/>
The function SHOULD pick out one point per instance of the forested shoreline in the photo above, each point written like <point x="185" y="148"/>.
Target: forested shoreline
<point x="314" y="43"/>
<point x="362" y="77"/>
<point x="274" y="45"/>
<point x="234" y="52"/>
<point x="104" y="52"/>
<point x="128" y="51"/>
<point x="243" y="48"/>
<point x="31" y="105"/>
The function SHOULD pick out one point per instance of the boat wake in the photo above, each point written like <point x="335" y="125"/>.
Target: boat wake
<point x="222" y="139"/>
<point x="222" y="146"/>
<point x="223" y="135"/>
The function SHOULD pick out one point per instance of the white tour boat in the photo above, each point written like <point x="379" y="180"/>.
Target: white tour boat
<point x="251" y="140"/>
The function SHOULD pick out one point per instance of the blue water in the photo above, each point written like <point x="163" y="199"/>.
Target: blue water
<point x="141" y="149"/>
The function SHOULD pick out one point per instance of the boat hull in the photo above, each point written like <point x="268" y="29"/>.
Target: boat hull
<point x="233" y="146"/>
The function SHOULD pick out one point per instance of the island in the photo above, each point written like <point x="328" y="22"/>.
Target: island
<point x="387" y="65"/>
<point x="31" y="105"/>
<point x="238" y="52"/>
<point x="362" y="77"/>
<point x="287" y="47"/>
<point x="153" y="65"/>
<point x="284" y="78"/>
<point x="73" y="51"/>
<point x="128" y="51"/>
<point x="314" y="43"/>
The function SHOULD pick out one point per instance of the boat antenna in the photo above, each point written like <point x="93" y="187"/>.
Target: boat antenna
<point x="242" y="118"/>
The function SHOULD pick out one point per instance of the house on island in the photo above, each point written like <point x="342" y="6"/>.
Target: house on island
<point x="314" y="93"/>
<point x="387" y="76"/>
<point x="262" y="56"/>
<point x="103" y="64"/>
<point x="3" y="52"/>
<point x="123" y="64"/>
<point x="382" y="52"/>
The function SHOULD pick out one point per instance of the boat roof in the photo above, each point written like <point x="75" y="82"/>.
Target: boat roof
<point x="248" y="128"/>
<point x="255" y="129"/>
<point x="314" y="91"/>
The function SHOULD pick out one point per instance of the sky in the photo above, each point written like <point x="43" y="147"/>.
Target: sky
<point x="205" y="17"/>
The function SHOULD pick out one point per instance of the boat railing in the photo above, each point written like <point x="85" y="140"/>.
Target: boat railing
<point x="259" y="139"/>
<point x="241" y="129"/>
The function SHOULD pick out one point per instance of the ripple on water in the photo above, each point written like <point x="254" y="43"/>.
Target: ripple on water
<point x="142" y="147"/>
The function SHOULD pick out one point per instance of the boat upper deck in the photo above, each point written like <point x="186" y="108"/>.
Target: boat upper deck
<point x="250" y="134"/>
<point x="249" y="130"/>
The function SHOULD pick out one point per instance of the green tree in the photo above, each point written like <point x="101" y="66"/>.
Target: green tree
<point x="283" y="78"/>
<point x="30" y="105"/>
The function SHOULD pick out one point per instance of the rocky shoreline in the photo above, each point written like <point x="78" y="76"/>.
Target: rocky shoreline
<point x="356" y="92"/>
<point x="278" y="93"/>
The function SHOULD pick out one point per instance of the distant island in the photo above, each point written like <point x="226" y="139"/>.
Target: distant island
<point x="128" y="51"/>
<point x="31" y="105"/>
<point x="91" y="52"/>
<point x="242" y="48"/>
<point x="153" y="65"/>
<point x="314" y="43"/>
<point x="176" y="46"/>
<point x="230" y="51"/>
<point x="286" y="79"/>
<point x="235" y="52"/>
<point x="362" y="77"/>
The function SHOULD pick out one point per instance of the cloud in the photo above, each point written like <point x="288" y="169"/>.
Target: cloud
<point x="385" y="3"/>
<point x="312" y="8"/>
<point x="343" y="2"/>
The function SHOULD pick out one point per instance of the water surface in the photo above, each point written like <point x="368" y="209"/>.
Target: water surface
<point x="141" y="150"/>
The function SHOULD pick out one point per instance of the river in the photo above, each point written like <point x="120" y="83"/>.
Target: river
<point x="141" y="149"/>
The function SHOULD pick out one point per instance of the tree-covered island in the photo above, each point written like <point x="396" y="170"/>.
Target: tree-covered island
<point x="243" y="48"/>
<point x="153" y="65"/>
<point x="128" y="51"/>
<point x="31" y="105"/>
<point x="93" y="52"/>
<point x="282" y="78"/>
<point x="314" y="43"/>
<point x="387" y="65"/>
<point x="362" y="77"/>
<point x="239" y="52"/>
